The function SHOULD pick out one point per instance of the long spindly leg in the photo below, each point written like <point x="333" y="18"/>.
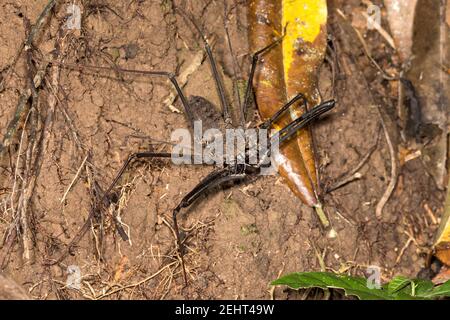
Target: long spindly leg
<point x="171" y="76"/>
<point x="131" y="157"/>
<point x="292" y="128"/>
<point x="248" y="91"/>
<point x="212" y="61"/>
<point x="106" y="200"/>
<point x="107" y="195"/>
<point x="214" y="179"/>
<point x="266" y="124"/>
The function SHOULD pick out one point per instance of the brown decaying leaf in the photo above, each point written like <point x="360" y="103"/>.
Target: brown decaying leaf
<point x="285" y="71"/>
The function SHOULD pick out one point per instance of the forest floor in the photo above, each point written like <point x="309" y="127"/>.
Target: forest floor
<point x="239" y="239"/>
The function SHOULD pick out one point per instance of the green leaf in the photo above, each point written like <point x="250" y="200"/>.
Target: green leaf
<point x="397" y="284"/>
<point x="352" y="286"/>
<point x="440" y="291"/>
<point x="423" y="287"/>
<point x="400" y="288"/>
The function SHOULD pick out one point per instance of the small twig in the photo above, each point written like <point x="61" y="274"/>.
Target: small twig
<point x="75" y="178"/>
<point x="16" y="173"/>
<point x="137" y="283"/>
<point x="402" y="251"/>
<point x="196" y="62"/>
<point x="21" y="108"/>
<point x="354" y="174"/>
<point x="393" y="156"/>
<point x="340" y="215"/>
<point x="381" y="31"/>
<point x="29" y="40"/>
<point x="272" y="288"/>
<point x="345" y="181"/>
<point x="366" y="49"/>
<point x="320" y="257"/>
<point x="39" y="23"/>
<point x="430" y="213"/>
<point x="394" y="172"/>
<point x="7" y="247"/>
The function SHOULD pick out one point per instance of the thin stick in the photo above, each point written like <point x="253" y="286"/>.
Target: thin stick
<point x="40" y="21"/>
<point x="366" y="49"/>
<point x="381" y="30"/>
<point x="17" y="163"/>
<point x="28" y="42"/>
<point x="402" y="251"/>
<point x="21" y="110"/>
<point x="393" y="157"/>
<point x="74" y="178"/>
<point x="137" y="283"/>
<point x="354" y="174"/>
<point x="352" y="177"/>
<point x="394" y="174"/>
<point x="22" y="104"/>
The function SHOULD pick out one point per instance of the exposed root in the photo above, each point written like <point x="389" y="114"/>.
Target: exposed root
<point x="394" y="172"/>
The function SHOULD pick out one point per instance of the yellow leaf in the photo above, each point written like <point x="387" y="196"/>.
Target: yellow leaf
<point x="303" y="20"/>
<point x="442" y="244"/>
<point x="304" y="48"/>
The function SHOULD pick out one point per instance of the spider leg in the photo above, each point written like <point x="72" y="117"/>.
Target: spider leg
<point x="212" y="61"/>
<point x="214" y="179"/>
<point x="266" y="124"/>
<point x="255" y="59"/>
<point x="171" y="76"/>
<point x="292" y="128"/>
<point x="219" y="83"/>
<point x="105" y="201"/>
<point x="131" y="157"/>
<point x="288" y="131"/>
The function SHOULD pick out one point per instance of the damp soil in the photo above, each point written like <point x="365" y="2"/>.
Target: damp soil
<point x="237" y="239"/>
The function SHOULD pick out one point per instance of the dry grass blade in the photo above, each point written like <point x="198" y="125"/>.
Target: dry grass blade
<point x="75" y="178"/>
<point x="133" y="285"/>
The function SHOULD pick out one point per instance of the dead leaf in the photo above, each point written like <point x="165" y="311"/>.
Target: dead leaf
<point x="442" y="243"/>
<point x="285" y="71"/>
<point x="400" y="15"/>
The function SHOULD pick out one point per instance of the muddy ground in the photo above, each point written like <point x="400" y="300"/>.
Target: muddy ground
<point x="238" y="239"/>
